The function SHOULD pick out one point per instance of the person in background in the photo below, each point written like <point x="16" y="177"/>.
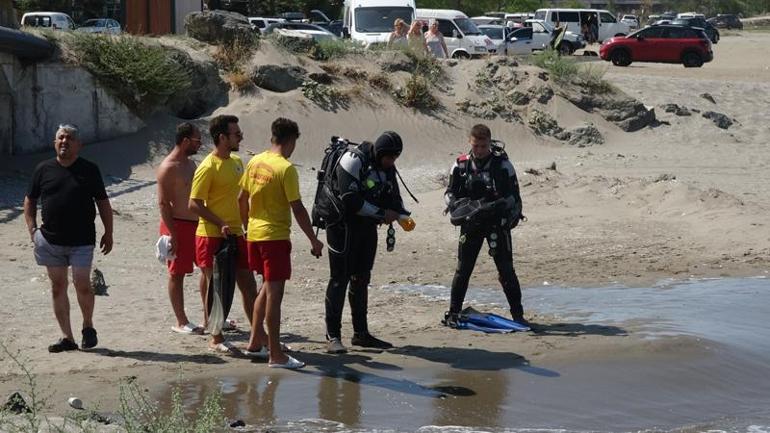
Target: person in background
<point x="397" y="38"/>
<point x="415" y="38"/>
<point x="68" y="187"/>
<point x="434" y="41"/>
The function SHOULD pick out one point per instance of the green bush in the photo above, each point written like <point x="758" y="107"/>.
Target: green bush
<point x="591" y="79"/>
<point x="562" y="68"/>
<point x="142" y="75"/>
<point x="416" y="93"/>
<point x="231" y="57"/>
<point x="324" y="95"/>
<point x="328" y="49"/>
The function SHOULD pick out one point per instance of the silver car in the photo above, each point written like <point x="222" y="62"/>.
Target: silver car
<point x="101" y="25"/>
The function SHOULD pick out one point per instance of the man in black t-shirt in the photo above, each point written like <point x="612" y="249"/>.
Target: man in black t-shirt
<point x="67" y="187"/>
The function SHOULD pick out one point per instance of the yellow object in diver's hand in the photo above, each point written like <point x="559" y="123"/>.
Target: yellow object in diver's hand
<point x="406" y="222"/>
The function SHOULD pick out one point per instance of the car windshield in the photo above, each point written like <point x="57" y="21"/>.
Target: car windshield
<point x="467" y="26"/>
<point x="381" y="19"/>
<point x="492" y="32"/>
<point x="95" y="23"/>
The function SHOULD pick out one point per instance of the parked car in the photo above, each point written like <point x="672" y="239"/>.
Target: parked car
<point x="522" y="42"/>
<point x="318" y="33"/>
<point x="543" y="31"/>
<point x="370" y="22"/>
<point x="484" y="20"/>
<point x="726" y="21"/>
<point x="699" y="22"/>
<point x="101" y="25"/>
<point x="631" y="20"/>
<point x="664" y="44"/>
<point x="260" y="23"/>
<point x="51" y="20"/>
<point x="497" y="34"/>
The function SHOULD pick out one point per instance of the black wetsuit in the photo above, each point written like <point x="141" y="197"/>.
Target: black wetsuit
<point x="366" y="192"/>
<point x="490" y="180"/>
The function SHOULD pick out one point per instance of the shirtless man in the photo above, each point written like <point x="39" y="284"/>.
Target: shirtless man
<point x="175" y="176"/>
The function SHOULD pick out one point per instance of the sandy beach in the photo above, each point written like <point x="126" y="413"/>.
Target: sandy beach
<point x="684" y="199"/>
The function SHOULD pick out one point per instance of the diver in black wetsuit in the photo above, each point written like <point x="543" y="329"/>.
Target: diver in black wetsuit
<point x="366" y="184"/>
<point x="484" y="177"/>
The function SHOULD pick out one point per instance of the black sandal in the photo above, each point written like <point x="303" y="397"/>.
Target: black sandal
<point x="63" y="345"/>
<point x="89" y="338"/>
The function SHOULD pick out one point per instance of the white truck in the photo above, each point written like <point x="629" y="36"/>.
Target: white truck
<point x="463" y="39"/>
<point x="371" y="21"/>
<point x="536" y="36"/>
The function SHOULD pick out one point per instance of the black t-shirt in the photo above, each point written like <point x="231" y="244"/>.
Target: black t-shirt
<point x="67" y="197"/>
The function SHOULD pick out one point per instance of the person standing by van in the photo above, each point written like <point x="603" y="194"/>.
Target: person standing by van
<point x="434" y="40"/>
<point x="415" y="39"/>
<point x="397" y="38"/>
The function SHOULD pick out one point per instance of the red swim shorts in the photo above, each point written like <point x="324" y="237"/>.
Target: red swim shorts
<point x="271" y="259"/>
<point x="206" y="247"/>
<point x="185" y="246"/>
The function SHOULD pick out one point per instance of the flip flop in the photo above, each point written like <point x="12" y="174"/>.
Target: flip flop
<point x="290" y="364"/>
<point x="189" y="328"/>
<point x="262" y="353"/>
<point x="225" y="348"/>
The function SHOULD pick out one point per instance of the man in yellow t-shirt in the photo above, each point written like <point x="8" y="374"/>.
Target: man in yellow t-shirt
<point x="270" y="193"/>
<point x="214" y="198"/>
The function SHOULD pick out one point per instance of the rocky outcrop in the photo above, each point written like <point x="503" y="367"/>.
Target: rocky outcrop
<point x="207" y="90"/>
<point x="626" y="112"/>
<point x="218" y="27"/>
<point x="543" y="123"/>
<point x="278" y="78"/>
<point x="719" y="119"/>
<point x="585" y="136"/>
<point x="676" y="109"/>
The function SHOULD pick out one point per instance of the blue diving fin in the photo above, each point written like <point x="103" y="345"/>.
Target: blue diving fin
<point x="491" y="320"/>
<point x="474" y="327"/>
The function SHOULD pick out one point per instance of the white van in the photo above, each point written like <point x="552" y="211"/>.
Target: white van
<point x="371" y="21"/>
<point x="51" y="20"/>
<point x="463" y="39"/>
<point x="608" y="25"/>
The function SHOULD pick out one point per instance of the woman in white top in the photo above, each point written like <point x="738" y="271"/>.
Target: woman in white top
<point x="398" y="35"/>
<point x="434" y="40"/>
<point x="415" y="39"/>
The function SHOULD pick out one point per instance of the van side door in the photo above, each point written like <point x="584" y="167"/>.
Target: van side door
<point x="520" y="42"/>
<point x="607" y="26"/>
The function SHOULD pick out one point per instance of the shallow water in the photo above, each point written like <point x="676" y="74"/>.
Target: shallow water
<point x="724" y="389"/>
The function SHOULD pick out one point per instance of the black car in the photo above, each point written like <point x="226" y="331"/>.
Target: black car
<point x="699" y="22"/>
<point x="726" y="21"/>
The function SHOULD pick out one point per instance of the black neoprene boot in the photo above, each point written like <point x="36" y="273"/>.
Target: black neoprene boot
<point x="369" y="340"/>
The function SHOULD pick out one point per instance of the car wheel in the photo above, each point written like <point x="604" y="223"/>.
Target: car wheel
<point x="620" y="58"/>
<point x="692" y="60"/>
<point x="565" y="48"/>
<point x="461" y="55"/>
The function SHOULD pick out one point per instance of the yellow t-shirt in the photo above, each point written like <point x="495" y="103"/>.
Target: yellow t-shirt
<point x="216" y="183"/>
<point x="272" y="183"/>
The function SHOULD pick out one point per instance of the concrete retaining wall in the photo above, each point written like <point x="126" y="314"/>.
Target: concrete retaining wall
<point x="36" y="98"/>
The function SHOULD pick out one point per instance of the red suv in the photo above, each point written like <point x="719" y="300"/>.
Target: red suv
<point x="664" y="43"/>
